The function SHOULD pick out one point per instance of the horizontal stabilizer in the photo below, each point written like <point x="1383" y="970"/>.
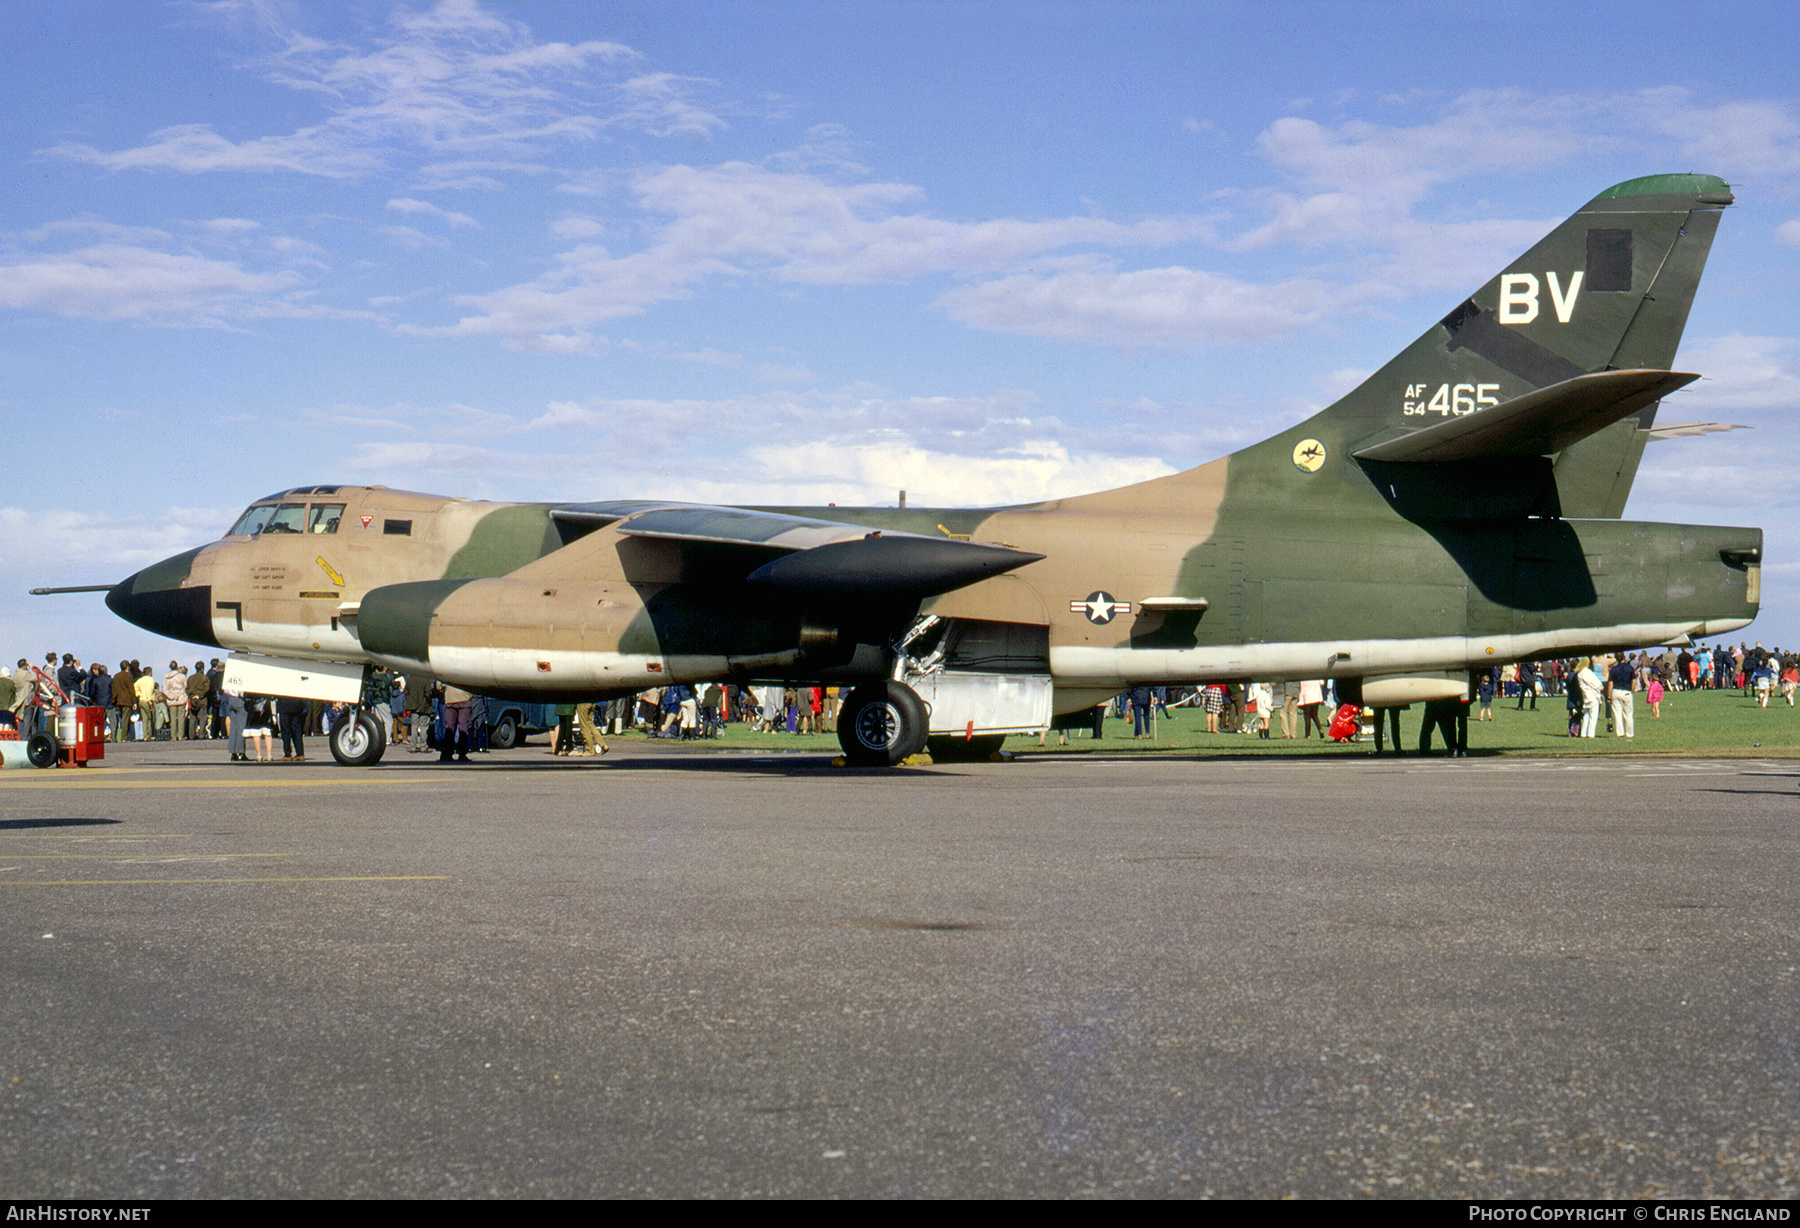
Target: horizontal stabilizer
<point x="889" y="565"/>
<point x="1541" y="422"/>
<point x="1680" y="430"/>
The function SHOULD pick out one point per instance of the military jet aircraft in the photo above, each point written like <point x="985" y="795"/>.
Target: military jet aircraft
<point x="1458" y="509"/>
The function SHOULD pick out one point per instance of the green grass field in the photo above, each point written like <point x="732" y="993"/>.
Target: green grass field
<point x="1710" y="724"/>
<point x="1693" y="723"/>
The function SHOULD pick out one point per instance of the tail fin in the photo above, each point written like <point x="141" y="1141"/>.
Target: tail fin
<point x="1608" y="290"/>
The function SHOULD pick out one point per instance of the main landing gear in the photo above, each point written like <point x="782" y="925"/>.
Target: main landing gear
<point x="881" y="724"/>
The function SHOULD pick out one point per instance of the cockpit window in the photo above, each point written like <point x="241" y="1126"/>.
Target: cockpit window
<point x="252" y="521"/>
<point x="288" y="518"/>
<point x="325" y="517"/>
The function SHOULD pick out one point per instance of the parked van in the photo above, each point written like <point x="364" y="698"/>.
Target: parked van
<point x="511" y="722"/>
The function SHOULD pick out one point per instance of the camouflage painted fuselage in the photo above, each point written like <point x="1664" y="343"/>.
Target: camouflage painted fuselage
<point x="1457" y="509"/>
<point x="1271" y="588"/>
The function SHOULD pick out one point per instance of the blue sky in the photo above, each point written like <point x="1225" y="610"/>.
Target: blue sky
<point x="811" y="253"/>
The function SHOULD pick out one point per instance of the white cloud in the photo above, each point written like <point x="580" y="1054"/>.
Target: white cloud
<point x="634" y="445"/>
<point x="195" y="148"/>
<point x="464" y="176"/>
<point x="739" y="220"/>
<point x="808" y="228"/>
<point x="1420" y="253"/>
<point x="1482" y="130"/>
<point x="229" y="225"/>
<point x="410" y="238"/>
<point x="1755" y="139"/>
<point x="407" y="204"/>
<point x="454" y="81"/>
<point x="97" y="227"/>
<point x="287" y="245"/>
<point x="1167" y="308"/>
<point x="1328" y="217"/>
<point x="478" y="100"/>
<point x="842" y="446"/>
<point x="117" y="282"/>
<point x="1788" y="233"/>
<point x="660" y="104"/>
<point x="1742" y="374"/>
<point x="1456" y="257"/>
<point x="562" y="415"/>
<point x="1363" y="188"/>
<point x="576" y="226"/>
<point x="811" y="473"/>
<point x="1738" y="479"/>
<point x="57" y="537"/>
<point x="1342" y="382"/>
<point x="1364" y="184"/>
<point x="871" y="472"/>
<point x="437" y="458"/>
<point x="556" y="312"/>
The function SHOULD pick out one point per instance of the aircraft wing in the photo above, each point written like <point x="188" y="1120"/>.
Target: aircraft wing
<point x="825" y="557"/>
<point x="1540" y="422"/>
<point x="699" y="522"/>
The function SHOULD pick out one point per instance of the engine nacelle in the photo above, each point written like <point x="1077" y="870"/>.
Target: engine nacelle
<point x="506" y="635"/>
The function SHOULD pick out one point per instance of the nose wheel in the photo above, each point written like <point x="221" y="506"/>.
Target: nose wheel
<point x="358" y="739"/>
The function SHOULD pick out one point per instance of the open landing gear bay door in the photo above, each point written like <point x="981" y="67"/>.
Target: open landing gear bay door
<point x="979" y="678"/>
<point x="332" y="681"/>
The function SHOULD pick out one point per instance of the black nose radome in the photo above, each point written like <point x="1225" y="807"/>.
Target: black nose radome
<point x="155" y="600"/>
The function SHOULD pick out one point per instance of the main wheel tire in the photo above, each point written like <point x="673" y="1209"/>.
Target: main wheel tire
<point x="955" y="748"/>
<point x="505" y="734"/>
<point x="881" y="724"/>
<point x="40" y="749"/>
<point x="358" y="740"/>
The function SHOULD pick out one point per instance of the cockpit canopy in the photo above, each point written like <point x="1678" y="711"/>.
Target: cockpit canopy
<point x="285" y="513"/>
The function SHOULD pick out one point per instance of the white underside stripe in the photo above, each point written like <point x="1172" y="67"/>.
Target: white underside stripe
<point x="1098" y="669"/>
<point x="1117" y="667"/>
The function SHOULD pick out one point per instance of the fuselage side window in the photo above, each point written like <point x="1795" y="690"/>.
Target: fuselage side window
<point x="396" y="528"/>
<point x="252" y="521"/>
<point x="288" y="518"/>
<point x="325" y="517"/>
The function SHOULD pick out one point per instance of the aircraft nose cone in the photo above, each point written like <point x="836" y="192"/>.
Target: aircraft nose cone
<point x="155" y="600"/>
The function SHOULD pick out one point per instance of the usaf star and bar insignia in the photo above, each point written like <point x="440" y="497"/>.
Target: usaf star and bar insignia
<point x="1100" y="607"/>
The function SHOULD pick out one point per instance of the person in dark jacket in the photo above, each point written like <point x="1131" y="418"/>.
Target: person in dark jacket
<point x="291" y="713"/>
<point x="124" y="698"/>
<point x="99" y="695"/>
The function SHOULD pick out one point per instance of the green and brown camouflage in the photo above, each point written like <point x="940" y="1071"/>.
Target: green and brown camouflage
<point x="1459" y="508"/>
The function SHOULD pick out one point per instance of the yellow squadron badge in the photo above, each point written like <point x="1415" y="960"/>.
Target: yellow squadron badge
<point x="1309" y="454"/>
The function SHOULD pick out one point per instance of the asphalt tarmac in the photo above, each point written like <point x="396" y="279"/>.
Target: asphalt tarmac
<point x="675" y="974"/>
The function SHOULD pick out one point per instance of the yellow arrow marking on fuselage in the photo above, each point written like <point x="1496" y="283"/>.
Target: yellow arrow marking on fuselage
<point x="335" y="578"/>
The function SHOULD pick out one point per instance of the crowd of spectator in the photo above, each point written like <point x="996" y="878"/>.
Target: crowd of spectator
<point x="194" y="703"/>
<point x="138" y="704"/>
